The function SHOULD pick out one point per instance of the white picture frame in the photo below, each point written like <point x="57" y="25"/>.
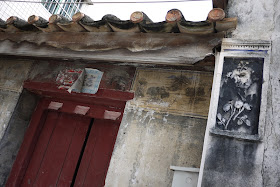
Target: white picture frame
<point x="239" y="50"/>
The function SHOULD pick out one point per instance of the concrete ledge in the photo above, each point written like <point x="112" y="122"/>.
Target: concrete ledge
<point x="240" y="136"/>
<point x="177" y="168"/>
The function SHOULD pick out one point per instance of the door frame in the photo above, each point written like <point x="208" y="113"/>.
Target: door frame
<point x="105" y="104"/>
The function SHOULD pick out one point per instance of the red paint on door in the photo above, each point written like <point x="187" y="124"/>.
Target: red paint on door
<point x="40" y="149"/>
<point x="97" y="154"/>
<point x="72" y="156"/>
<point x="57" y="151"/>
<point x="54" y="151"/>
<point x="68" y="149"/>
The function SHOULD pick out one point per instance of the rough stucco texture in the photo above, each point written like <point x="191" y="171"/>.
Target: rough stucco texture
<point x="260" y="20"/>
<point x="8" y="102"/>
<point x="255" y="18"/>
<point x="271" y="165"/>
<point x="232" y="163"/>
<point x="149" y="143"/>
<point x="12" y="74"/>
<point x="13" y="137"/>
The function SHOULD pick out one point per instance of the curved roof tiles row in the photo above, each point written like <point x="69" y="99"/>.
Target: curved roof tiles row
<point x="139" y="22"/>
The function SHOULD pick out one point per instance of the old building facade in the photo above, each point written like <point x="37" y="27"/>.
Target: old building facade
<point x="174" y="96"/>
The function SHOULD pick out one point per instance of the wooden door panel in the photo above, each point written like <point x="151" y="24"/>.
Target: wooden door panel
<point x="40" y="149"/>
<point x="54" y="157"/>
<point x="99" y="163"/>
<point x="69" y="167"/>
<point x="97" y="154"/>
<point x="50" y="148"/>
<point x="88" y="153"/>
<point x="57" y="151"/>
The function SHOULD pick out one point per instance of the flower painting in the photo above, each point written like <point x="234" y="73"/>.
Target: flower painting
<point x="240" y="95"/>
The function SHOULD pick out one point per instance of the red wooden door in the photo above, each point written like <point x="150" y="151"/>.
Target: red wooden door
<point x="70" y="145"/>
<point x="57" y="151"/>
<point x="72" y="150"/>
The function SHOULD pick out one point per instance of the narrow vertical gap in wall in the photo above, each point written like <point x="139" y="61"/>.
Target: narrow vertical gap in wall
<point x="81" y="154"/>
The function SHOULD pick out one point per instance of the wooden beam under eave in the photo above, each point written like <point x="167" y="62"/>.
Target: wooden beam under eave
<point x="220" y="4"/>
<point x="144" y="48"/>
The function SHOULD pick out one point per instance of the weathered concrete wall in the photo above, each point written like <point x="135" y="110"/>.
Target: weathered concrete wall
<point x="8" y="102"/>
<point x="149" y="143"/>
<point x="231" y="162"/>
<point x="271" y="164"/>
<point x="255" y="18"/>
<point x="14" y="134"/>
<point x="14" y="115"/>
<point x="12" y="75"/>
<point x="153" y="136"/>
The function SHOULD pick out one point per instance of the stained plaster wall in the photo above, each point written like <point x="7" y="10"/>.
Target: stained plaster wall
<point x="231" y="162"/>
<point x="12" y="74"/>
<point x="148" y="142"/>
<point x="15" y="111"/>
<point x="14" y="133"/>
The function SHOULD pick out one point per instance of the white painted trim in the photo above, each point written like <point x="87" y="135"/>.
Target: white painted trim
<point x="206" y="136"/>
<point x="263" y="105"/>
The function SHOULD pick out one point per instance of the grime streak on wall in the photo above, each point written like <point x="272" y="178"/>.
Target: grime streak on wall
<point x="155" y="134"/>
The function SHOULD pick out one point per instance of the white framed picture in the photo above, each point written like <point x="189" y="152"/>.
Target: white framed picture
<point x="239" y="95"/>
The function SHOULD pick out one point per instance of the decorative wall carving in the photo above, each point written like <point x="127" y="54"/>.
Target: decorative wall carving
<point x="240" y="95"/>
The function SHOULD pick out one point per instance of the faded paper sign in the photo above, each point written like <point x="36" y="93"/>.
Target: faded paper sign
<point x="67" y="77"/>
<point x="88" y="81"/>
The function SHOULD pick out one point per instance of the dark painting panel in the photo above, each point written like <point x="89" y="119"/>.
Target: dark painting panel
<point x="240" y="95"/>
